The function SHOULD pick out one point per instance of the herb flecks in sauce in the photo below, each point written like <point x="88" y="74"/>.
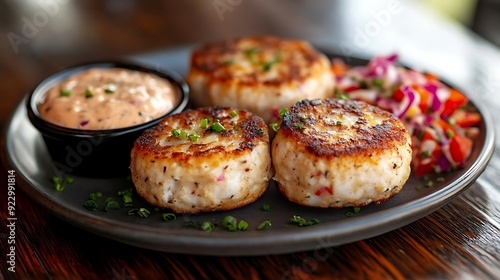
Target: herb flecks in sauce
<point x="107" y="99"/>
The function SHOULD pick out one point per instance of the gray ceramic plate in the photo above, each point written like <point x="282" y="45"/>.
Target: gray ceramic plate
<point x="29" y="157"/>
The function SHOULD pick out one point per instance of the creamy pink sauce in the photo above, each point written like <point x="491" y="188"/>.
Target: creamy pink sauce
<point x="101" y="98"/>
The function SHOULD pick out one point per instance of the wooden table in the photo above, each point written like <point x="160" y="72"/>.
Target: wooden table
<point x="459" y="241"/>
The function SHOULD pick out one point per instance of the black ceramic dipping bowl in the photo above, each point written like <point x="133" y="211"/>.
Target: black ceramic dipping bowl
<point x="95" y="153"/>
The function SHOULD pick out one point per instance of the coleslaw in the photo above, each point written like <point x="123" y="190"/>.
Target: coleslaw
<point x="440" y="119"/>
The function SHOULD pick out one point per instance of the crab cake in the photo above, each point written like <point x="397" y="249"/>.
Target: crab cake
<point x="260" y="74"/>
<point x="202" y="160"/>
<point x="339" y="153"/>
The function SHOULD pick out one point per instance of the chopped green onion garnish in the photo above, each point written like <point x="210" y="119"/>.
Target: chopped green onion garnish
<point x="124" y="192"/>
<point x="95" y="196"/>
<point x="176" y="132"/>
<point x="298" y="220"/>
<point x="424" y="154"/>
<point x="243" y="225"/>
<point x="341" y="95"/>
<point x="169" y="217"/>
<point x="60" y="183"/>
<point x="142" y="212"/>
<point x="111" y="203"/>
<point x="250" y="53"/>
<point x="194" y="137"/>
<point x="237" y="127"/>
<point x="183" y="135"/>
<point x="282" y="112"/>
<point x="436" y="169"/>
<point x="204" y="123"/>
<point x="65" y="92"/>
<point x="217" y="127"/>
<point x="267" y="65"/>
<point x="429" y="184"/>
<point x="378" y="82"/>
<point x="313" y="222"/>
<point x="449" y="133"/>
<point x="301" y="222"/>
<point x="207" y="226"/>
<point x="338" y="123"/>
<point x="302" y="118"/>
<point x="301" y="126"/>
<point x="110" y="89"/>
<point x="275" y="127"/>
<point x="420" y="135"/>
<point x="266" y="207"/>
<point x="260" y="131"/>
<point x="233" y="113"/>
<point x="91" y="205"/>
<point x="229" y="223"/>
<point x="355" y="210"/>
<point x="251" y="50"/>
<point x="69" y="180"/>
<point x="88" y="93"/>
<point x="127" y="200"/>
<point x="126" y="195"/>
<point x="440" y="179"/>
<point x="265" y="224"/>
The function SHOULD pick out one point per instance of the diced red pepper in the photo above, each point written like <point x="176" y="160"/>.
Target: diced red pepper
<point x="425" y="98"/>
<point x="444" y="125"/>
<point x="455" y="101"/>
<point x="398" y="95"/>
<point x="464" y="118"/>
<point x="351" y="88"/>
<point x="220" y="178"/>
<point x="420" y="168"/>
<point x="460" y="145"/>
<point x="460" y="148"/>
<point x="275" y="112"/>
<point x="323" y="190"/>
<point x="423" y="160"/>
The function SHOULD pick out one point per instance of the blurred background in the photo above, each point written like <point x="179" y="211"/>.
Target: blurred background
<point x="40" y="36"/>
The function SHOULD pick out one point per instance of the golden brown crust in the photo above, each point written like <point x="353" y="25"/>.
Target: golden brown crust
<point x="366" y="139"/>
<point x="297" y="57"/>
<point x="246" y="125"/>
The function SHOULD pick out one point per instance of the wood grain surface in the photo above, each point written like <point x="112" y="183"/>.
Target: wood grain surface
<point x="459" y="241"/>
